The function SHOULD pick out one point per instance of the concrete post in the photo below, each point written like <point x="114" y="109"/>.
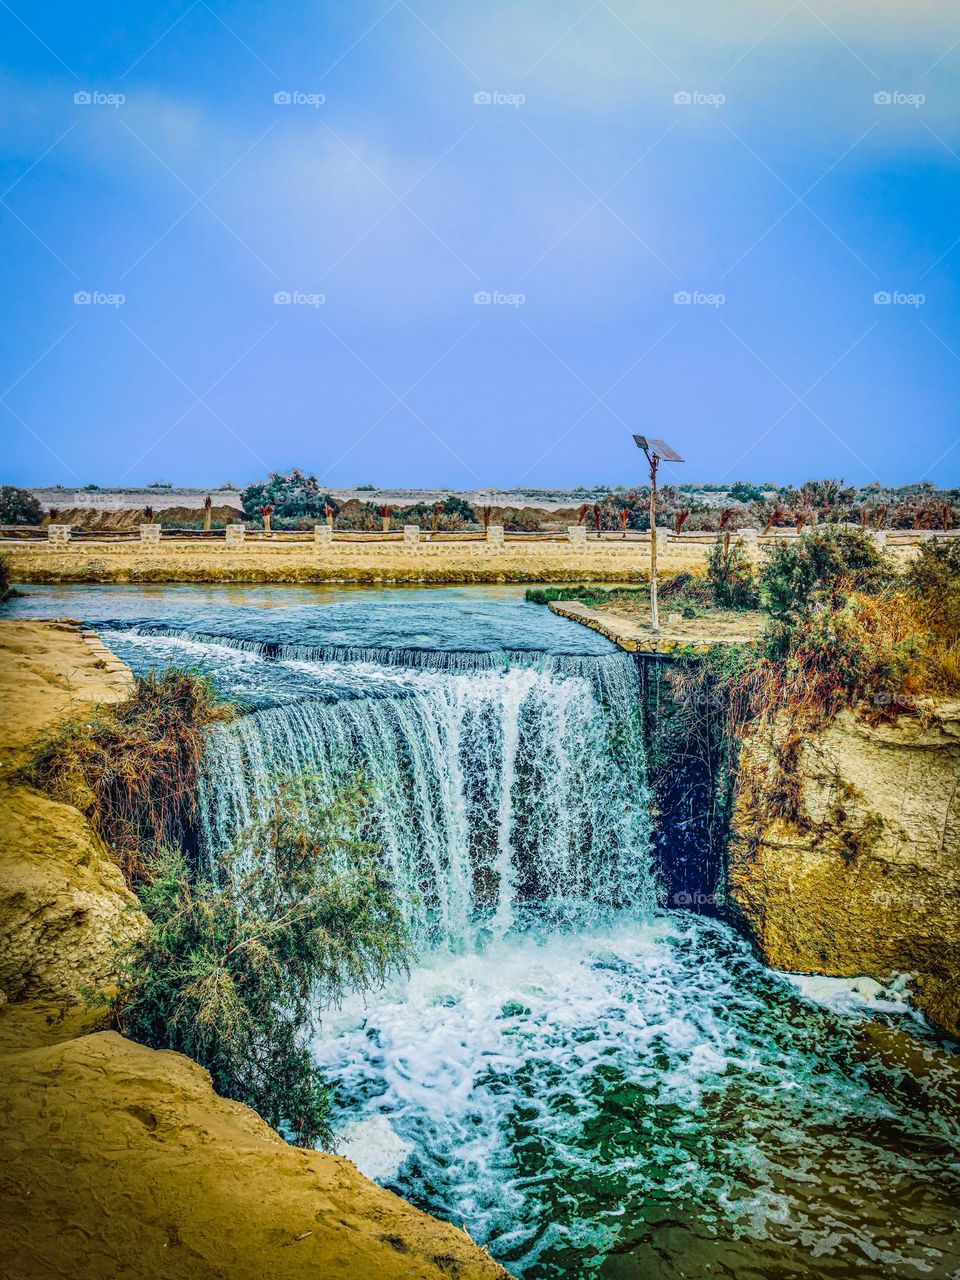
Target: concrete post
<point x="662" y="535"/>
<point x="748" y="536"/>
<point x="411" y="537"/>
<point x="577" y="535"/>
<point x="322" y="534"/>
<point x="235" y="534"/>
<point x="150" y="533"/>
<point x="58" y="533"/>
<point x="879" y="537"/>
<point x="495" y="533"/>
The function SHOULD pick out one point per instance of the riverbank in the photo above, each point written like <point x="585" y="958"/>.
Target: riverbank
<point x="175" y="560"/>
<point x="863" y="879"/>
<point x="119" y="1159"/>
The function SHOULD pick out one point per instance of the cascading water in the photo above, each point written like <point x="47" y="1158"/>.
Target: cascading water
<point x="595" y="1088"/>
<point x="499" y="782"/>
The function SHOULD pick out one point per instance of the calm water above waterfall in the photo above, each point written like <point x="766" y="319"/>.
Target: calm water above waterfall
<point x="592" y="1086"/>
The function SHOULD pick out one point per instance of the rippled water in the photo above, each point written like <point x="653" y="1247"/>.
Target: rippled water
<point x="594" y="1088"/>
<point x="647" y="1100"/>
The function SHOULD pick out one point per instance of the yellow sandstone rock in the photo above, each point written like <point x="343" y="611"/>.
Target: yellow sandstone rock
<point x="867" y="881"/>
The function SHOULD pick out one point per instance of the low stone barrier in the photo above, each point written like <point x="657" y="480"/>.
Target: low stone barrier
<point x="325" y="557"/>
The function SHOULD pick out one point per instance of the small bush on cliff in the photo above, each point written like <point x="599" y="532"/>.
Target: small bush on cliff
<point x="132" y="768"/>
<point x="233" y="975"/>
<point x="933" y="581"/>
<point x="823" y="565"/>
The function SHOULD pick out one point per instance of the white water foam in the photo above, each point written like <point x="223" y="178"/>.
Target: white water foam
<point x="855" y="997"/>
<point x="374" y="1147"/>
<point x="567" y="1086"/>
<point x="551" y="1087"/>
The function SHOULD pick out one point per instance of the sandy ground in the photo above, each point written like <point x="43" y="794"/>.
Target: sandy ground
<point x="117" y="1160"/>
<point x="47" y="671"/>
<point x="630" y="628"/>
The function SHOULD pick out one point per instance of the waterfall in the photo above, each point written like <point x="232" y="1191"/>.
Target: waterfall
<point x="504" y="784"/>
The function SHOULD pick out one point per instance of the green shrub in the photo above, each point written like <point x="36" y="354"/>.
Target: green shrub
<point x="19" y="506"/>
<point x="730" y="575"/>
<point x="447" y="516"/>
<point x="741" y="492"/>
<point x="234" y="974"/>
<point x="825" y="562"/>
<point x="933" y="581"/>
<point x="293" y="496"/>
<point x="586" y="594"/>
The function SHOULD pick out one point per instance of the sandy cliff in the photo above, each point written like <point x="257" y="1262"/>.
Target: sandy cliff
<point x="63" y="902"/>
<point x="116" y="1160"/>
<point x="867" y="879"/>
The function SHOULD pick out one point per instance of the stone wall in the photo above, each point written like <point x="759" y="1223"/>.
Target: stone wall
<point x="346" y="559"/>
<point x="176" y="560"/>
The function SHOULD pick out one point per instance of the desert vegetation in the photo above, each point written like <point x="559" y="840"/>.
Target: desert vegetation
<point x="236" y="960"/>
<point x="295" y="500"/>
<point x="132" y="767"/>
<point x="232" y="973"/>
<point x="19" y="506"/>
<point x="844" y="631"/>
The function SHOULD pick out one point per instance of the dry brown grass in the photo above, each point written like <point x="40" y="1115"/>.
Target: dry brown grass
<point x="133" y="767"/>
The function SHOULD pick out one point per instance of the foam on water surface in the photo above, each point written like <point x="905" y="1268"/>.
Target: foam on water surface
<point x="856" y="997"/>
<point x="566" y="1093"/>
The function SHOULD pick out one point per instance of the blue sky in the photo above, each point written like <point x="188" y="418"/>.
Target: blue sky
<point x="622" y="155"/>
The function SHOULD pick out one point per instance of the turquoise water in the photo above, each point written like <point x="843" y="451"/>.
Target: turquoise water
<point x="595" y="1087"/>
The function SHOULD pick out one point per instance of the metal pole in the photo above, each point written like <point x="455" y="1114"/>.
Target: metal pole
<point x="654" y="610"/>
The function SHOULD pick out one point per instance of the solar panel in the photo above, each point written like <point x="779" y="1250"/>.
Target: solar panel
<point x="657" y="448"/>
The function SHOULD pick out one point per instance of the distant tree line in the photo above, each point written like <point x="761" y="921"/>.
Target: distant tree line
<point x="293" y="500"/>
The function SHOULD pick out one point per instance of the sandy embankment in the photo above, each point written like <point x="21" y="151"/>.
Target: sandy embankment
<point x="348" y="561"/>
<point x="120" y="1160"/>
<point x="365" y="560"/>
